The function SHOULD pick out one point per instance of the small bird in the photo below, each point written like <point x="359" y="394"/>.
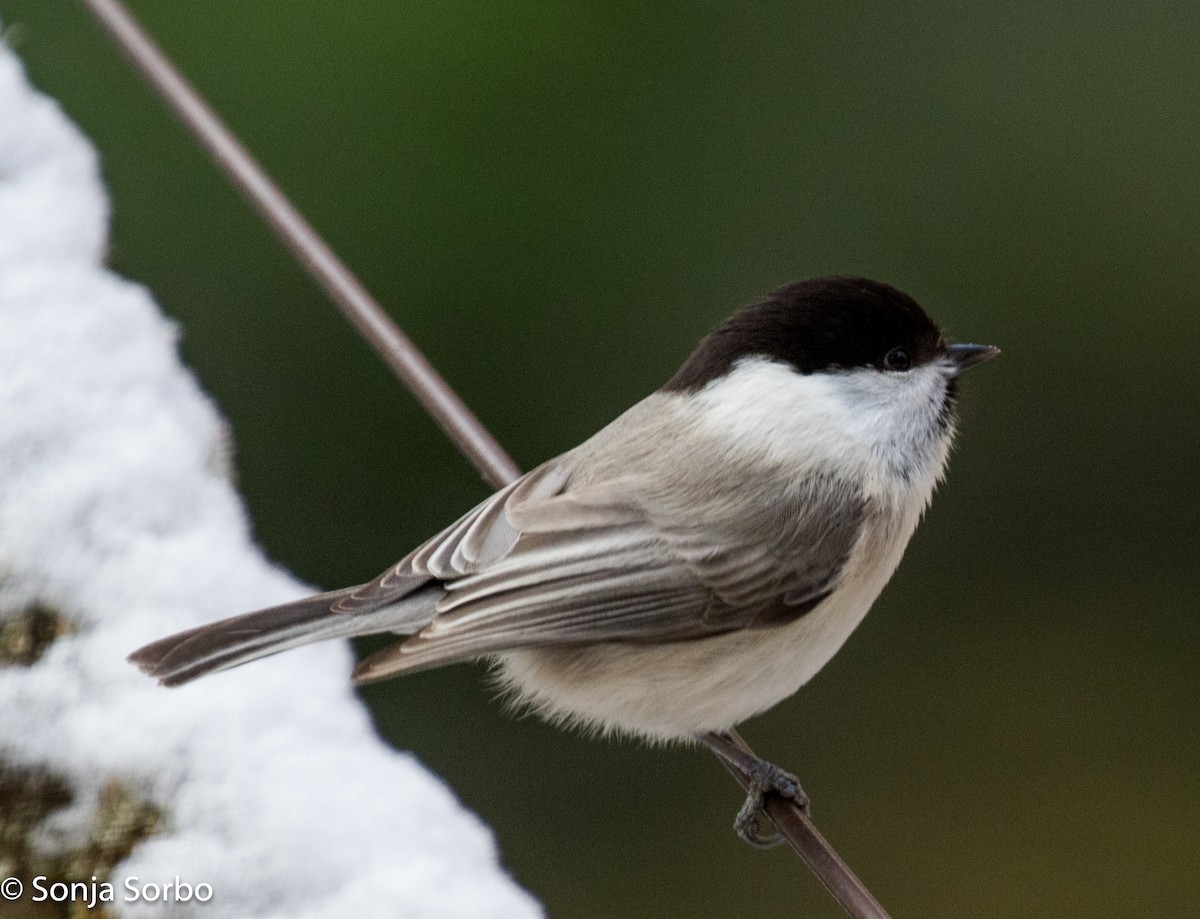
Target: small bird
<point x="694" y="562"/>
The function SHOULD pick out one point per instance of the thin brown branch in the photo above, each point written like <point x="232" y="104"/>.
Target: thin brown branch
<point x="413" y="369"/>
<point x="405" y="359"/>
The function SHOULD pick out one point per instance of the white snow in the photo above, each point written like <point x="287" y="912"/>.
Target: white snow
<point x="115" y="509"/>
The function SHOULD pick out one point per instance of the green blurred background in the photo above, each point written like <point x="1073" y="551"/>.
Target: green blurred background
<point x="556" y="200"/>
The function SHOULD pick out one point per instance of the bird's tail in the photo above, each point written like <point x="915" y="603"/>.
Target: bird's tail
<point x="185" y="656"/>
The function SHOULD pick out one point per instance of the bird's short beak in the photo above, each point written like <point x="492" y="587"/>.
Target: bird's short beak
<point x="967" y="356"/>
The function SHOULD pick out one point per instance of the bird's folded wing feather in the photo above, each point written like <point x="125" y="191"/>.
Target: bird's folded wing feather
<point x="481" y="536"/>
<point x="542" y="563"/>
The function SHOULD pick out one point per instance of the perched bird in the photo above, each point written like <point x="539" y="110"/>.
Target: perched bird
<point x="691" y="564"/>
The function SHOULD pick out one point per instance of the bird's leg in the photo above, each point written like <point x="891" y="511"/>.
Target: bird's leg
<point x="764" y="778"/>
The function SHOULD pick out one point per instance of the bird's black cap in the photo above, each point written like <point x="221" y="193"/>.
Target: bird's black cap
<point x="822" y="324"/>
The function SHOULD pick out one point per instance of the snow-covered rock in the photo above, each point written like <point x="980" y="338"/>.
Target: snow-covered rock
<point x="116" y="511"/>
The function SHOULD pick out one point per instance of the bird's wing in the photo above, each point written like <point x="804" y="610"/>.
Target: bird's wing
<point x="480" y="537"/>
<point x="543" y="563"/>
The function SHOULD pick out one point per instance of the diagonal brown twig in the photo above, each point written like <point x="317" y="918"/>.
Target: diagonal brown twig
<point x="396" y="349"/>
<point x="426" y="384"/>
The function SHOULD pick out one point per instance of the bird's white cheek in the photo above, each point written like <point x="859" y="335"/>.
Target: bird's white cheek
<point x="768" y="409"/>
<point x="887" y="428"/>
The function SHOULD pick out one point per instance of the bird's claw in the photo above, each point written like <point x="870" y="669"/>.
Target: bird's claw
<point x="766" y="779"/>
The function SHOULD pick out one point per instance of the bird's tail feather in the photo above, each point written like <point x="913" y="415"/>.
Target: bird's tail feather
<point x="185" y="656"/>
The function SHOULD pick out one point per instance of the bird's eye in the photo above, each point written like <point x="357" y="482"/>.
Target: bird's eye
<point x="897" y="359"/>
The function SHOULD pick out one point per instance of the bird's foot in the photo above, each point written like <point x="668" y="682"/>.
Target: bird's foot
<point x="766" y="779"/>
<point x="762" y="778"/>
